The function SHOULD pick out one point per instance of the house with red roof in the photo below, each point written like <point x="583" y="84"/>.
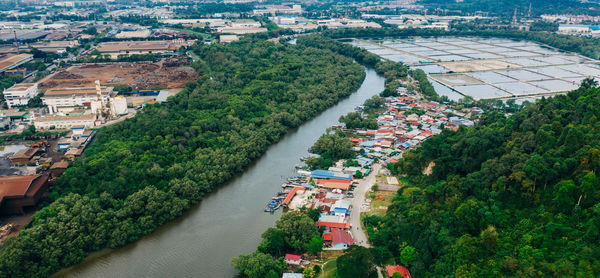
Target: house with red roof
<point x="334" y="183"/>
<point x="391" y="269"/>
<point x="341" y="239"/>
<point x="294" y="259"/>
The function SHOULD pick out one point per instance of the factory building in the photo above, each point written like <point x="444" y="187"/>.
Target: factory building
<point x="65" y="99"/>
<point x="20" y="94"/>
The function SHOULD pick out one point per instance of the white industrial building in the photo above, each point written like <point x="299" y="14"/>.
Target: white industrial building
<point x="58" y="98"/>
<point x="66" y="121"/>
<point x="20" y="94"/>
<point x="574" y="29"/>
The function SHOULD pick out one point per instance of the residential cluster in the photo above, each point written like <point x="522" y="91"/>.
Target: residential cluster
<point x="408" y="120"/>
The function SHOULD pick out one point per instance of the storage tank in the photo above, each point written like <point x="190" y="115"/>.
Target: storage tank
<point x="118" y="105"/>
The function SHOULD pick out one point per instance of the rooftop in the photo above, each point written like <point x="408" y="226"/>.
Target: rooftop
<point x="60" y="165"/>
<point x="10" y="59"/>
<point x="391" y="269"/>
<point x="66" y="118"/>
<point x="341" y="236"/>
<point x="25" y="153"/>
<point x="293" y="257"/>
<point x="20" y="87"/>
<point x="60" y="92"/>
<point x="14" y="187"/>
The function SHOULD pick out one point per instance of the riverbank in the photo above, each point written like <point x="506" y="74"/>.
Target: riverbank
<point x="381" y="131"/>
<point x="206" y="238"/>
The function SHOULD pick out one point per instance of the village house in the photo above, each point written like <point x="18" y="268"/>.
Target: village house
<point x="293" y="259"/>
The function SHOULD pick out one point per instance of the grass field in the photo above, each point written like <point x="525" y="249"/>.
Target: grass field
<point x="380" y="201"/>
<point x="329" y="269"/>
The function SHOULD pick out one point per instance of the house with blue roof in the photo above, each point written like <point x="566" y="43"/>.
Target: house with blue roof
<point x="323" y="174"/>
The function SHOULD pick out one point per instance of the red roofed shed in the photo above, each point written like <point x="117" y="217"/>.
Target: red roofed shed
<point x="391" y="269"/>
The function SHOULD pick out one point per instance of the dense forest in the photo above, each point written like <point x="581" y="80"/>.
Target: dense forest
<point x="513" y="196"/>
<point x="587" y="46"/>
<point x="145" y="171"/>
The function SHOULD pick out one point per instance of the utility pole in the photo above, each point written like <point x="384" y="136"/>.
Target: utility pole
<point x="529" y="12"/>
<point x="514" y="19"/>
<point x="16" y="41"/>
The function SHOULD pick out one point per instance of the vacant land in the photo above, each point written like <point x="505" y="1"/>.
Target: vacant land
<point x="172" y="73"/>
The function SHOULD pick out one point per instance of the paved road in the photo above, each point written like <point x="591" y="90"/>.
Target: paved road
<point x="360" y="238"/>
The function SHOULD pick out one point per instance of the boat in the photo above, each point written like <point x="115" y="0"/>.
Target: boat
<point x="269" y="210"/>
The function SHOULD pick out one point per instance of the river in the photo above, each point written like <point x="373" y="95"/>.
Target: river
<point x="227" y="222"/>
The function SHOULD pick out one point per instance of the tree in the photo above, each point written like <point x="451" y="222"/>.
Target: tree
<point x="589" y="83"/>
<point x="258" y="265"/>
<point x="29" y="131"/>
<point x="91" y="31"/>
<point x="309" y="273"/>
<point x="357" y="261"/>
<point x="299" y="229"/>
<point x="315" y="245"/>
<point x="273" y="242"/>
<point x="358" y="174"/>
<point x="408" y="255"/>
<point x="397" y="275"/>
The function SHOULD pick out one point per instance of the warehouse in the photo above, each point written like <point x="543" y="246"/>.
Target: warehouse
<point x="18" y="192"/>
<point x="115" y="49"/>
<point x="61" y="122"/>
<point x="12" y="61"/>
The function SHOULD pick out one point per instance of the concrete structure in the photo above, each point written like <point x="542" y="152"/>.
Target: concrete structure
<point x="73" y="97"/>
<point x="18" y="192"/>
<point x="12" y="61"/>
<point x="61" y="122"/>
<point x="118" y="105"/>
<point x="20" y="94"/>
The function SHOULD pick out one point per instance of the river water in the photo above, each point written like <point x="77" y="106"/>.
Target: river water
<point x="227" y="222"/>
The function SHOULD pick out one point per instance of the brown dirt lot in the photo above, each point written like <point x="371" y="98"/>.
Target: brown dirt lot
<point x="140" y="76"/>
